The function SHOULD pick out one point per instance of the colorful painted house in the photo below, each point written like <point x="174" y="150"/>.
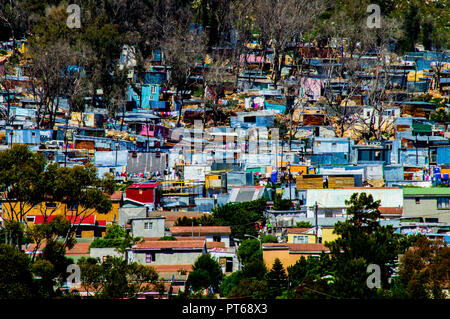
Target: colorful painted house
<point x="290" y="253"/>
<point x="143" y="194"/>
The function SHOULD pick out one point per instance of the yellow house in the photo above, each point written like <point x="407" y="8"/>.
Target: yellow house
<point x="307" y="235"/>
<point x="289" y="253"/>
<point x="327" y="234"/>
<point x="93" y="225"/>
<point x="301" y="235"/>
<point x="215" y="180"/>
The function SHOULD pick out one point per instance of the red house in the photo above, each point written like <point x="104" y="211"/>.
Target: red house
<point x="145" y="193"/>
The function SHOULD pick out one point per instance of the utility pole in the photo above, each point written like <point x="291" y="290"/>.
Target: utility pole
<point x="316" y="224"/>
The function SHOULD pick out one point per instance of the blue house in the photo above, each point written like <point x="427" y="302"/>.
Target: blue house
<point x="252" y="119"/>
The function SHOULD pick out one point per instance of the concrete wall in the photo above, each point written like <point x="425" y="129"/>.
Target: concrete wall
<point x="103" y="252"/>
<point x="169" y="258"/>
<point x="157" y="230"/>
<point x="427" y="208"/>
<point x="146" y="162"/>
<point x="125" y="214"/>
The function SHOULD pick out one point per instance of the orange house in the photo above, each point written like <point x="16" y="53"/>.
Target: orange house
<point x="93" y="225"/>
<point x="289" y="253"/>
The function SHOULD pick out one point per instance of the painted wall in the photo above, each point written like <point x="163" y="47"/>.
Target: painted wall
<point x="311" y="238"/>
<point x="157" y="230"/>
<point x="184" y="257"/>
<point x="285" y="257"/>
<point x="427" y="207"/>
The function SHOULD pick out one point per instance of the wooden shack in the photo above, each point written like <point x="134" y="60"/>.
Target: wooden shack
<point x="315" y="181"/>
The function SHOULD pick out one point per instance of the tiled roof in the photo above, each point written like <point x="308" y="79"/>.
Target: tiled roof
<point x="173" y="218"/>
<point x="307" y="248"/>
<point x="297" y="230"/>
<point x="174" y="244"/>
<point x="144" y="185"/>
<point x="391" y="211"/>
<point x="203" y="230"/>
<point x="211" y="244"/>
<point x="77" y="249"/>
<point x="117" y="195"/>
<point x="177" y="238"/>
<point x="171" y="268"/>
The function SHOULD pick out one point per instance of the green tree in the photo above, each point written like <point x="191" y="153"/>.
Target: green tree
<point x="206" y="272"/>
<point x="363" y="241"/>
<point x="241" y="217"/>
<point x="250" y="288"/>
<point x="303" y="225"/>
<point x="250" y="255"/>
<point x="168" y="238"/>
<point x="281" y="204"/>
<point x="269" y="239"/>
<point x="79" y="188"/>
<point x="276" y="279"/>
<point x="21" y="171"/>
<point x="249" y="251"/>
<point x="411" y="28"/>
<point x="229" y="282"/>
<point x="116" y="237"/>
<point x="16" y="280"/>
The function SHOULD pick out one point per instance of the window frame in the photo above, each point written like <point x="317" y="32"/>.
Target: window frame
<point x="146" y="225"/>
<point x="443" y="203"/>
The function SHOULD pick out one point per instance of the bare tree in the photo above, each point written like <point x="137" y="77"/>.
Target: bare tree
<point x="184" y="50"/>
<point x="281" y="22"/>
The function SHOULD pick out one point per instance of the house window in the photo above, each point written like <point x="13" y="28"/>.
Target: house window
<point x="417" y="200"/>
<point x="216" y="239"/>
<point x="328" y="213"/>
<point x="250" y="119"/>
<point x="442" y="203"/>
<point x="300" y="239"/>
<point x="229" y="264"/>
<point x="153" y="88"/>
<point x="50" y="205"/>
<point x="149" y="257"/>
<point x="73" y="206"/>
<point x="148" y="225"/>
<point x="30" y="219"/>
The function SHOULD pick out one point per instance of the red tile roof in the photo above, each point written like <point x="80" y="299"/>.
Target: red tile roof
<point x="144" y="185"/>
<point x="211" y="244"/>
<point x="203" y="230"/>
<point x="173" y="218"/>
<point x="174" y="244"/>
<point x="397" y="211"/>
<point x="307" y="248"/>
<point x="77" y="249"/>
<point x="177" y="237"/>
<point x="117" y="195"/>
<point x="296" y="230"/>
<point x="171" y="268"/>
